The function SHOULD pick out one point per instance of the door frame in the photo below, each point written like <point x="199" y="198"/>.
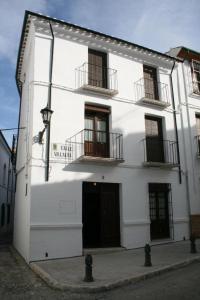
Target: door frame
<point x="160" y="136"/>
<point x="94" y="115"/>
<point x="119" y="210"/>
<point x="165" y="188"/>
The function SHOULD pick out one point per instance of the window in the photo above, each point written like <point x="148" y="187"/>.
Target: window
<point x="8" y="214"/>
<point x="196" y="76"/>
<point x="2" y="214"/>
<point x="4" y="174"/>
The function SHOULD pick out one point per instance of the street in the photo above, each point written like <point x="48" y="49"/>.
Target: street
<point x="17" y="281"/>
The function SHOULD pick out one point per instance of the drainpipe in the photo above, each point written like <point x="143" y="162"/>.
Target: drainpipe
<point x="49" y="104"/>
<point x="190" y="140"/>
<point x="175" y="124"/>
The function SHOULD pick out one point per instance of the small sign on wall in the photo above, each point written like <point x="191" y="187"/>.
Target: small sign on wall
<point x="61" y="151"/>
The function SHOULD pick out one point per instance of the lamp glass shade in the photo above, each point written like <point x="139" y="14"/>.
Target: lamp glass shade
<point x="46" y="115"/>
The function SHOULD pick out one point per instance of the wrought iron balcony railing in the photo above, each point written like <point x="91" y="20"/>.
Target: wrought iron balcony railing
<point x="160" y="152"/>
<point x="96" y="78"/>
<point x="198" y="145"/>
<point x="152" y="92"/>
<point x="96" y="145"/>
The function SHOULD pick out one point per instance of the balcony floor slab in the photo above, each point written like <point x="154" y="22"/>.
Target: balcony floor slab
<point x="162" y="165"/>
<point x="154" y="102"/>
<point x="104" y="160"/>
<point x="99" y="90"/>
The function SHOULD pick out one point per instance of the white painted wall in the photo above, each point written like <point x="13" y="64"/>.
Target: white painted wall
<point x="52" y="211"/>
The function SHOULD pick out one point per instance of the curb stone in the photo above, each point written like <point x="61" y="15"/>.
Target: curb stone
<point x="53" y="283"/>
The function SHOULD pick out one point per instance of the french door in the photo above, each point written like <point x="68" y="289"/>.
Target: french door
<point x="97" y="68"/>
<point x="159" y="211"/>
<point x="154" y="139"/>
<point x="96" y="134"/>
<point x="150" y="82"/>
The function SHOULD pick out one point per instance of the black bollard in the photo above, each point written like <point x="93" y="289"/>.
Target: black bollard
<point x="147" y="250"/>
<point x="192" y="244"/>
<point x="88" y="268"/>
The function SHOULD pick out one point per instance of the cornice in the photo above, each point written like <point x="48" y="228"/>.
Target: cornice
<point x="79" y="34"/>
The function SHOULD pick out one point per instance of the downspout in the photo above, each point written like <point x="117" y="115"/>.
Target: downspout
<point x="49" y="104"/>
<point x="175" y="124"/>
<point x="190" y="139"/>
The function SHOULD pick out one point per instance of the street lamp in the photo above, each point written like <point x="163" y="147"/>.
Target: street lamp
<point x="46" y="117"/>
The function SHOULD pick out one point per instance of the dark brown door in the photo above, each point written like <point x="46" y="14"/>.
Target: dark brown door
<point x="110" y="227"/>
<point x="101" y="227"/>
<point x="154" y="139"/>
<point x="97" y="68"/>
<point x="150" y="82"/>
<point x="96" y="134"/>
<point x="159" y="211"/>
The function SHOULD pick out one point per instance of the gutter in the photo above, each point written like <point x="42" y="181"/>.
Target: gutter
<point x="48" y="130"/>
<point x="175" y="124"/>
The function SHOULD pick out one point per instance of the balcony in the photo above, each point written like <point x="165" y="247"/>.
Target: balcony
<point x="96" y="79"/>
<point x="160" y="153"/>
<point x="96" y="146"/>
<point x="151" y="92"/>
<point x="198" y="145"/>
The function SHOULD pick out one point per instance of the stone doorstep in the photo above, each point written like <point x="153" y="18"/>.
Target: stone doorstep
<point x="94" y="287"/>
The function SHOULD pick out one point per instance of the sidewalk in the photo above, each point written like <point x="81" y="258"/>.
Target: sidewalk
<point x="114" y="269"/>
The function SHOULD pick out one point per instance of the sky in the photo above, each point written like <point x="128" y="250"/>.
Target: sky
<point x="155" y="24"/>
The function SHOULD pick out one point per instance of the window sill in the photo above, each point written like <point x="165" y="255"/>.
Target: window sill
<point x="94" y="159"/>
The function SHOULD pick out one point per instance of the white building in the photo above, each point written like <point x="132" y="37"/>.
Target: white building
<point x="110" y="168"/>
<point x="7" y="187"/>
<point x="189" y="108"/>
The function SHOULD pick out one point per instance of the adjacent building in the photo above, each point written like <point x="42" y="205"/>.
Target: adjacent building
<point x="110" y="167"/>
<point x="7" y="190"/>
<point x="189" y="109"/>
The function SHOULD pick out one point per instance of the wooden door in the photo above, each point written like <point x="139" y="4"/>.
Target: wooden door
<point x="96" y="134"/>
<point x="150" y="82"/>
<point x="97" y="68"/>
<point x="91" y="215"/>
<point x="110" y="226"/>
<point x="154" y="139"/>
<point x="159" y="211"/>
<point x="101" y="220"/>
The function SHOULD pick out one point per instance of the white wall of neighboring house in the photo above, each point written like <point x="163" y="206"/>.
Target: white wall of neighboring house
<point x="189" y="106"/>
<point x="48" y="219"/>
<point x="7" y="183"/>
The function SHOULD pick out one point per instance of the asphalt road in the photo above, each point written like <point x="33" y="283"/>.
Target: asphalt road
<point x="17" y="281"/>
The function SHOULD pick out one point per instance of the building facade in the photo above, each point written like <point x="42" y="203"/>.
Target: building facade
<point x="189" y="109"/>
<point x="108" y="170"/>
<point x="7" y="190"/>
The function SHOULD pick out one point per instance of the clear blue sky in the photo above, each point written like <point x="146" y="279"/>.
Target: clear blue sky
<point x="155" y="24"/>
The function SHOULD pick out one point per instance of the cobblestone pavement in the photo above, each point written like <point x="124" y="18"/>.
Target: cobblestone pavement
<point x="17" y="281"/>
